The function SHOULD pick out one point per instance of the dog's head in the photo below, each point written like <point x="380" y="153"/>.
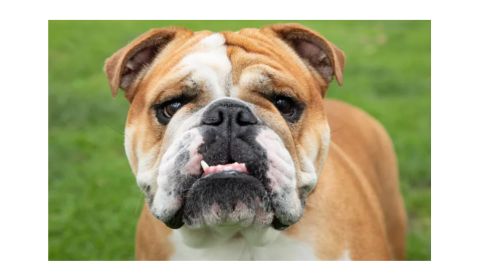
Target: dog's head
<point x="226" y="130"/>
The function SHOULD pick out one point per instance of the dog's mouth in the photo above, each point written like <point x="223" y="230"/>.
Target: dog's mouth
<point x="225" y="194"/>
<point x="208" y="170"/>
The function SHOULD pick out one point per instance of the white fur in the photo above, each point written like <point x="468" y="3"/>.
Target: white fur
<point x="210" y="64"/>
<point x="166" y="201"/>
<point x="281" y="173"/>
<point x="280" y="248"/>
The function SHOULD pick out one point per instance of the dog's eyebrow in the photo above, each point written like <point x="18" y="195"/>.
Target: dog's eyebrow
<point x="174" y="86"/>
<point x="267" y="80"/>
<point x="184" y="91"/>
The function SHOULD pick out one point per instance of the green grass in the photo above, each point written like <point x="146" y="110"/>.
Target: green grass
<point x="93" y="200"/>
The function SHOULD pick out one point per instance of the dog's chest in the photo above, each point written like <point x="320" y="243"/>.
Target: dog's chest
<point x="283" y="248"/>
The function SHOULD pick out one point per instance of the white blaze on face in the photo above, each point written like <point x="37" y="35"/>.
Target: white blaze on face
<point x="209" y="64"/>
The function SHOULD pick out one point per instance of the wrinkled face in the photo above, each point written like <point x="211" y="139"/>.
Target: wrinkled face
<point x="226" y="131"/>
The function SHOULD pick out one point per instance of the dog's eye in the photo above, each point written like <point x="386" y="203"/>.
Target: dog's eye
<point x="170" y="109"/>
<point x="284" y="105"/>
<point x="165" y="111"/>
<point x="290" y="109"/>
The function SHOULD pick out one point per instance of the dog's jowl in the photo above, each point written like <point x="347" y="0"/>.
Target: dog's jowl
<point x="233" y="143"/>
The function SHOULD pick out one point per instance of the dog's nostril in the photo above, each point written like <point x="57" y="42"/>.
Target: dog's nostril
<point x="245" y="118"/>
<point x="213" y="118"/>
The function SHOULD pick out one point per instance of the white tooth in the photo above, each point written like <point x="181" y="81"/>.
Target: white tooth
<point x="204" y="165"/>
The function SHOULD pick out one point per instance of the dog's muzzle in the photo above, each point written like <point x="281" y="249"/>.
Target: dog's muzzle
<point x="238" y="174"/>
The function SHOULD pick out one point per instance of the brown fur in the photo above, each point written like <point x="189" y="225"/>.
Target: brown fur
<point x="356" y="203"/>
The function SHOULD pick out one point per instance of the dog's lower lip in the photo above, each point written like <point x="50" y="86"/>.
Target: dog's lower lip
<point x="228" y="199"/>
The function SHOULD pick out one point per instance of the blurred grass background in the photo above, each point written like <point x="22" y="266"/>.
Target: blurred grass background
<point x="93" y="199"/>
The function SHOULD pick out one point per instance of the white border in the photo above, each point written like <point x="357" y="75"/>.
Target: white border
<point x="246" y="9"/>
<point x="455" y="141"/>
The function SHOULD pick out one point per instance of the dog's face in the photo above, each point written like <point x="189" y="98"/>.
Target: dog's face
<point x="226" y="131"/>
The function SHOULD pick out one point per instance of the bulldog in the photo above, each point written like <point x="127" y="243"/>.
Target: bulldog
<point x="241" y="157"/>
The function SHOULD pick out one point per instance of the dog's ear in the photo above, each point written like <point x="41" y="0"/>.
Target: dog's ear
<point x="318" y="52"/>
<point x="125" y="65"/>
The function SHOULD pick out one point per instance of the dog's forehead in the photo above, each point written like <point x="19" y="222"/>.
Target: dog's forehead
<point x="219" y="60"/>
<point x="208" y="62"/>
<point x="252" y="49"/>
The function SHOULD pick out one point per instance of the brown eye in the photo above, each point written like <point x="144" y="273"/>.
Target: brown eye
<point x="170" y="109"/>
<point x="284" y="105"/>
<point x="165" y="111"/>
<point x="290" y="109"/>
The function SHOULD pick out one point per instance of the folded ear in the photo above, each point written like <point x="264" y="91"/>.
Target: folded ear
<point x="125" y="65"/>
<point x="318" y="52"/>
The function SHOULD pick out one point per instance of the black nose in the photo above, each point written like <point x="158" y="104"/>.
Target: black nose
<point x="228" y="113"/>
